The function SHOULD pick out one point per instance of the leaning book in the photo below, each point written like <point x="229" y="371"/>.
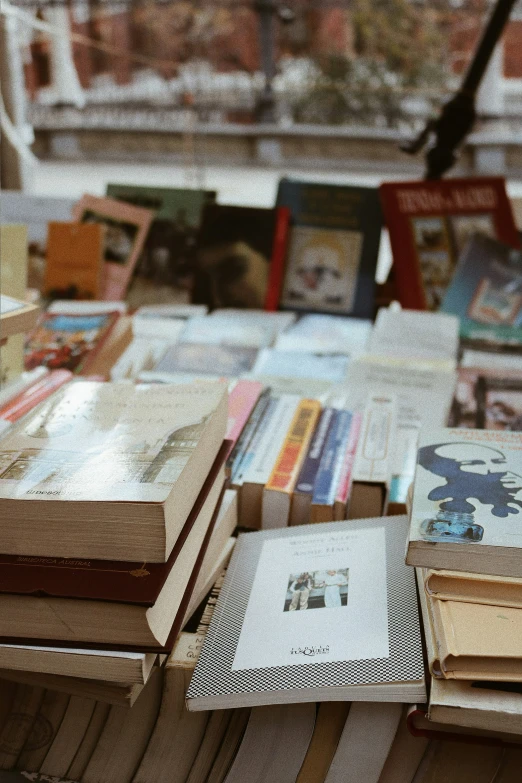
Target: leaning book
<point x="467" y="502"/>
<point x="321" y="614"/>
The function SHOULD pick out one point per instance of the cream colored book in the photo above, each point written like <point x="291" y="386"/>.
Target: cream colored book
<point x="461" y="703"/>
<point x="109" y="471"/>
<point x="16" y="316"/>
<point x="474" y="588"/>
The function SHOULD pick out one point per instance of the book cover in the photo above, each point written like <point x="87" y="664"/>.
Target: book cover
<point x="30" y="397"/>
<point x="467" y="502"/>
<point x="290" y="364"/>
<point x="243" y="443"/>
<point x="241" y="252"/>
<point x="344" y="484"/>
<point x="486" y="292"/>
<point x="126" y="229"/>
<point x="333" y="247"/>
<point x="241" y="402"/>
<point x="357" y="637"/>
<point x="306" y="479"/>
<point x="68" y="342"/>
<point x="198" y="358"/>
<point x="429" y="225"/>
<point x="74" y="260"/>
<point x="169" y="252"/>
<point x="487" y="399"/>
<point x="326" y="334"/>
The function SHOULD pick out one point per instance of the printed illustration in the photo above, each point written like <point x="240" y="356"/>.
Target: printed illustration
<point x="62" y="341"/>
<point x="471" y="472"/>
<point x="120" y="236"/>
<point x="323" y="266"/>
<point x="317" y="590"/>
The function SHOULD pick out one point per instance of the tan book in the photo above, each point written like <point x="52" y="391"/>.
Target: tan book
<point x="48" y="719"/>
<point x="74" y="260"/>
<point x="69" y="737"/>
<point x="16" y="316"/>
<point x="474" y="588"/>
<point x="460" y="703"/>
<point x="126" y="466"/>
<point x="329" y="725"/>
<point x="87" y="745"/>
<point x="405" y="755"/>
<point x="213" y="739"/>
<point x="477" y="641"/>
<point x="229" y="747"/>
<point x="13" y="259"/>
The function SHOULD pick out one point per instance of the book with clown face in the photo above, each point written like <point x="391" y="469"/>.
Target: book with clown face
<point x="467" y="502"/>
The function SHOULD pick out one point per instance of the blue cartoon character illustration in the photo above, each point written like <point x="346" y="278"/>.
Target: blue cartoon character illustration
<point x="473" y="472"/>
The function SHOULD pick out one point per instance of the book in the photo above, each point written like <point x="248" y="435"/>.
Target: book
<point x="278" y="492"/>
<point x="229" y="746"/>
<point x="126" y="229"/>
<point x="459" y="762"/>
<point x="240" y="258"/>
<point x="487" y="398"/>
<point x="304" y="488"/>
<point x="297" y="364"/>
<point x="111" y="349"/>
<point x="109" y="604"/>
<point x="160" y="442"/>
<point x="473" y="588"/>
<point x="86" y="307"/>
<point x="476" y="706"/>
<point x="242" y="400"/>
<point x="32" y="396"/>
<point x="345" y="477"/>
<point x="169" y="252"/>
<point x="35" y="212"/>
<point x="200" y="359"/>
<point x="15" y="732"/>
<point x="486" y="292"/>
<point x="74" y="260"/>
<point x="329" y="725"/>
<point x="420" y="725"/>
<point x="174" y="311"/>
<point x="435" y="336"/>
<point x="241" y="665"/>
<point x="326" y="334"/>
<point x="223" y="327"/>
<point x="275" y="743"/>
<point x="45" y="728"/>
<point x="14" y="388"/>
<point x="68" y="342"/>
<point x="16" y="316"/>
<point x="373" y="457"/>
<point x="333" y="247"/>
<point x="356" y="758"/>
<point x="328" y="474"/>
<point x="240" y="449"/>
<point x="13" y="257"/>
<point x="429" y="225"/>
<point x="405" y="755"/>
<point x="465" y="491"/>
<point x="477" y="641"/>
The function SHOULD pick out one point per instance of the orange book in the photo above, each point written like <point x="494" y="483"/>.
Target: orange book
<point x="74" y="260"/>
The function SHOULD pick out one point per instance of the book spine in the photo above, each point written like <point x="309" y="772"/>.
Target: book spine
<point x="241" y="402"/>
<point x="324" y="489"/>
<point x="308" y="474"/>
<point x="35" y="394"/>
<point x="294" y="447"/>
<point x="237" y="460"/>
<point x="277" y="264"/>
<point x="345" y="478"/>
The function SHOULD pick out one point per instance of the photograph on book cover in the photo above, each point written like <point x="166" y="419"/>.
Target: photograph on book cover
<point x="439" y="240"/>
<point x="322" y="269"/>
<point x="120" y="236"/>
<point x="498" y="298"/>
<point x="65" y="342"/>
<point x="487" y="401"/>
<point x="317" y="590"/>
<point x="356" y="630"/>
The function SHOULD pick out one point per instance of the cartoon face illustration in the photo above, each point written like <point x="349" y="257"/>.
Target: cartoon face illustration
<point x="471" y="471"/>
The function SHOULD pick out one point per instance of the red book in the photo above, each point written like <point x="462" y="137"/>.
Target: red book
<point x="430" y="222"/>
<point x="33" y="395"/>
<point x="277" y="265"/>
<point x="104" y="604"/>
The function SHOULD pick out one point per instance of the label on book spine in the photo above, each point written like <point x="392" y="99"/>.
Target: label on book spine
<point x="294" y="447"/>
<point x="374" y="451"/>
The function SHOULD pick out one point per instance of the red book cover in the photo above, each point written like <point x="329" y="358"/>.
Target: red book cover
<point x="277" y="265"/>
<point x="34" y="395"/>
<point x="430" y="222"/>
<point x="100" y="580"/>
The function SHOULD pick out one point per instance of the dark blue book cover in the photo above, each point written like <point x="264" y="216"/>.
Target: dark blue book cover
<point x="324" y="492"/>
<point x="333" y="247"/>
<point x="307" y="476"/>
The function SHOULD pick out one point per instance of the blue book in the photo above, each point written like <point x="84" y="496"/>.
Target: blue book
<point x="304" y="488"/>
<point x="325" y="486"/>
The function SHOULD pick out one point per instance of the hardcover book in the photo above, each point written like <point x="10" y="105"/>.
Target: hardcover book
<point x="333" y="247"/>
<point x="126" y="229"/>
<point x="429" y="225"/>
<point x="486" y="292"/>
<point x="74" y="260"/>
<point x="467" y="502"/>
<point x="240" y="258"/>
<point x="108" y="471"/>
<point x="327" y="613"/>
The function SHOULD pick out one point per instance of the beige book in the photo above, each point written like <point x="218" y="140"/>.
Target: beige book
<point x="46" y="725"/>
<point x="474" y="588"/>
<point x="13" y="259"/>
<point x="16" y="316"/>
<point x="69" y="736"/>
<point x="405" y="755"/>
<point x="15" y="731"/>
<point x="477" y="641"/>
<point x="459" y="704"/>
<point x="365" y="743"/>
<point x="133" y="460"/>
<point x="88" y="743"/>
<point x="427" y="621"/>
<point x="329" y="725"/>
<point x="213" y="738"/>
<point x="229" y="747"/>
<point x="125" y="737"/>
<point x="274" y="745"/>
<point x="457" y="762"/>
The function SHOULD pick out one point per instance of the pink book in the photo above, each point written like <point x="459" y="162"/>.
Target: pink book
<point x="126" y="228"/>
<point x="345" y="479"/>
<point x="241" y="402"/>
<point x="33" y="395"/>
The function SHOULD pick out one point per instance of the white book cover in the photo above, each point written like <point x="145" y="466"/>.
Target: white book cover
<point x="468" y="491"/>
<point x="260" y="460"/>
<point x="297" y="364"/>
<point x="413" y="334"/>
<point x="310" y="613"/>
<point x="225" y="331"/>
<point x="327" y="334"/>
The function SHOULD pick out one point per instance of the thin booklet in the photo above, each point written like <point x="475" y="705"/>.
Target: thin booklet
<point x="323" y="613"/>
